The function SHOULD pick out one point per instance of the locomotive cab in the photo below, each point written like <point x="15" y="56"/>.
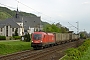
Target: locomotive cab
<point x="36" y="40"/>
<point x="42" y="39"/>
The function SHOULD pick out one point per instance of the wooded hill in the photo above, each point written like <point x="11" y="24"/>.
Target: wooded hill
<point x="7" y="13"/>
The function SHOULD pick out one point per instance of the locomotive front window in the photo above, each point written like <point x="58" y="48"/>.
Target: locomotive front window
<point x="37" y="36"/>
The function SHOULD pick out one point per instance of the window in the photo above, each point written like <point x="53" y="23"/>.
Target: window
<point x="12" y="29"/>
<point x="37" y="36"/>
<point x="16" y="29"/>
<point x="6" y="30"/>
<point x="25" y="21"/>
<point x="1" y="29"/>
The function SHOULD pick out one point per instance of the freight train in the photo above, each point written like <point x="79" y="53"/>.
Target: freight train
<point x="43" y="39"/>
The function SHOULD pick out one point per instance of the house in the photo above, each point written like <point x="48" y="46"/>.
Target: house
<point x="21" y="23"/>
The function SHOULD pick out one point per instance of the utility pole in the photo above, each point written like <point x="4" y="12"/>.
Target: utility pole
<point x="40" y="25"/>
<point x="34" y="26"/>
<point x="84" y="30"/>
<point x="22" y="30"/>
<point x="77" y="27"/>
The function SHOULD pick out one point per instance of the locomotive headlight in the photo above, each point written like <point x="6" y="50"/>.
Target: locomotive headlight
<point x="32" y="41"/>
<point x="41" y="41"/>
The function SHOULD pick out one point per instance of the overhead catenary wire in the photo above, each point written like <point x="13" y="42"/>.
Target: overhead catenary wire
<point x="31" y="8"/>
<point x="7" y="6"/>
<point x="20" y="10"/>
<point x="27" y="6"/>
<point x="49" y="20"/>
<point x="35" y="10"/>
<point x="72" y="25"/>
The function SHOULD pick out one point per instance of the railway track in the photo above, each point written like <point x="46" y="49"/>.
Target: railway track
<point x="52" y="53"/>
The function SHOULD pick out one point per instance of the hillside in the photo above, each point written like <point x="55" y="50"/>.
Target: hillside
<point x="7" y="13"/>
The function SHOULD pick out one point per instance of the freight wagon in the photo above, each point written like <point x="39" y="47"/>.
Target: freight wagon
<point x="61" y="38"/>
<point x="42" y="39"/>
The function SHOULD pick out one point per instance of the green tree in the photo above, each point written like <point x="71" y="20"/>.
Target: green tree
<point x="64" y="29"/>
<point x="27" y="37"/>
<point x="83" y="34"/>
<point x="55" y="28"/>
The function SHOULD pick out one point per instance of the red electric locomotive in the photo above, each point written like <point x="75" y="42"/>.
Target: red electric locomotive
<point x="42" y="39"/>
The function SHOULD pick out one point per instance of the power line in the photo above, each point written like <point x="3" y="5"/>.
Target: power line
<point x="76" y="27"/>
<point x="33" y="9"/>
<point x="26" y="5"/>
<point x="7" y="6"/>
<point x="30" y="8"/>
<point x="16" y="8"/>
<point x="72" y="25"/>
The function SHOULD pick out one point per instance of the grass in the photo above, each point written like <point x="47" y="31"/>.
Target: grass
<point x="80" y="53"/>
<point x="8" y="47"/>
<point x="87" y="55"/>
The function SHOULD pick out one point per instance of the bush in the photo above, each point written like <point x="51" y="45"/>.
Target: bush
<point x="17" y="37"/>
<point x="27" y="37"/>
<point x="77" y="53"/>
<point x="84" y="46"/>
<point x="73" y="53"/>
<point x="2" y="38"/>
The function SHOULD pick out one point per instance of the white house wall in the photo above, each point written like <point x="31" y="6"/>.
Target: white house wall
<point x="32" y="30"/>
<point x="10" y="32"/>
<point x="0" y="32"/>
<point x="20" y="31"/>
<point x="20" y="24"/>
<point x="4" y="31"/>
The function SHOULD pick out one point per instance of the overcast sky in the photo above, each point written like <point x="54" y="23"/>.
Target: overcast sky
<point x="51" y="11"/>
